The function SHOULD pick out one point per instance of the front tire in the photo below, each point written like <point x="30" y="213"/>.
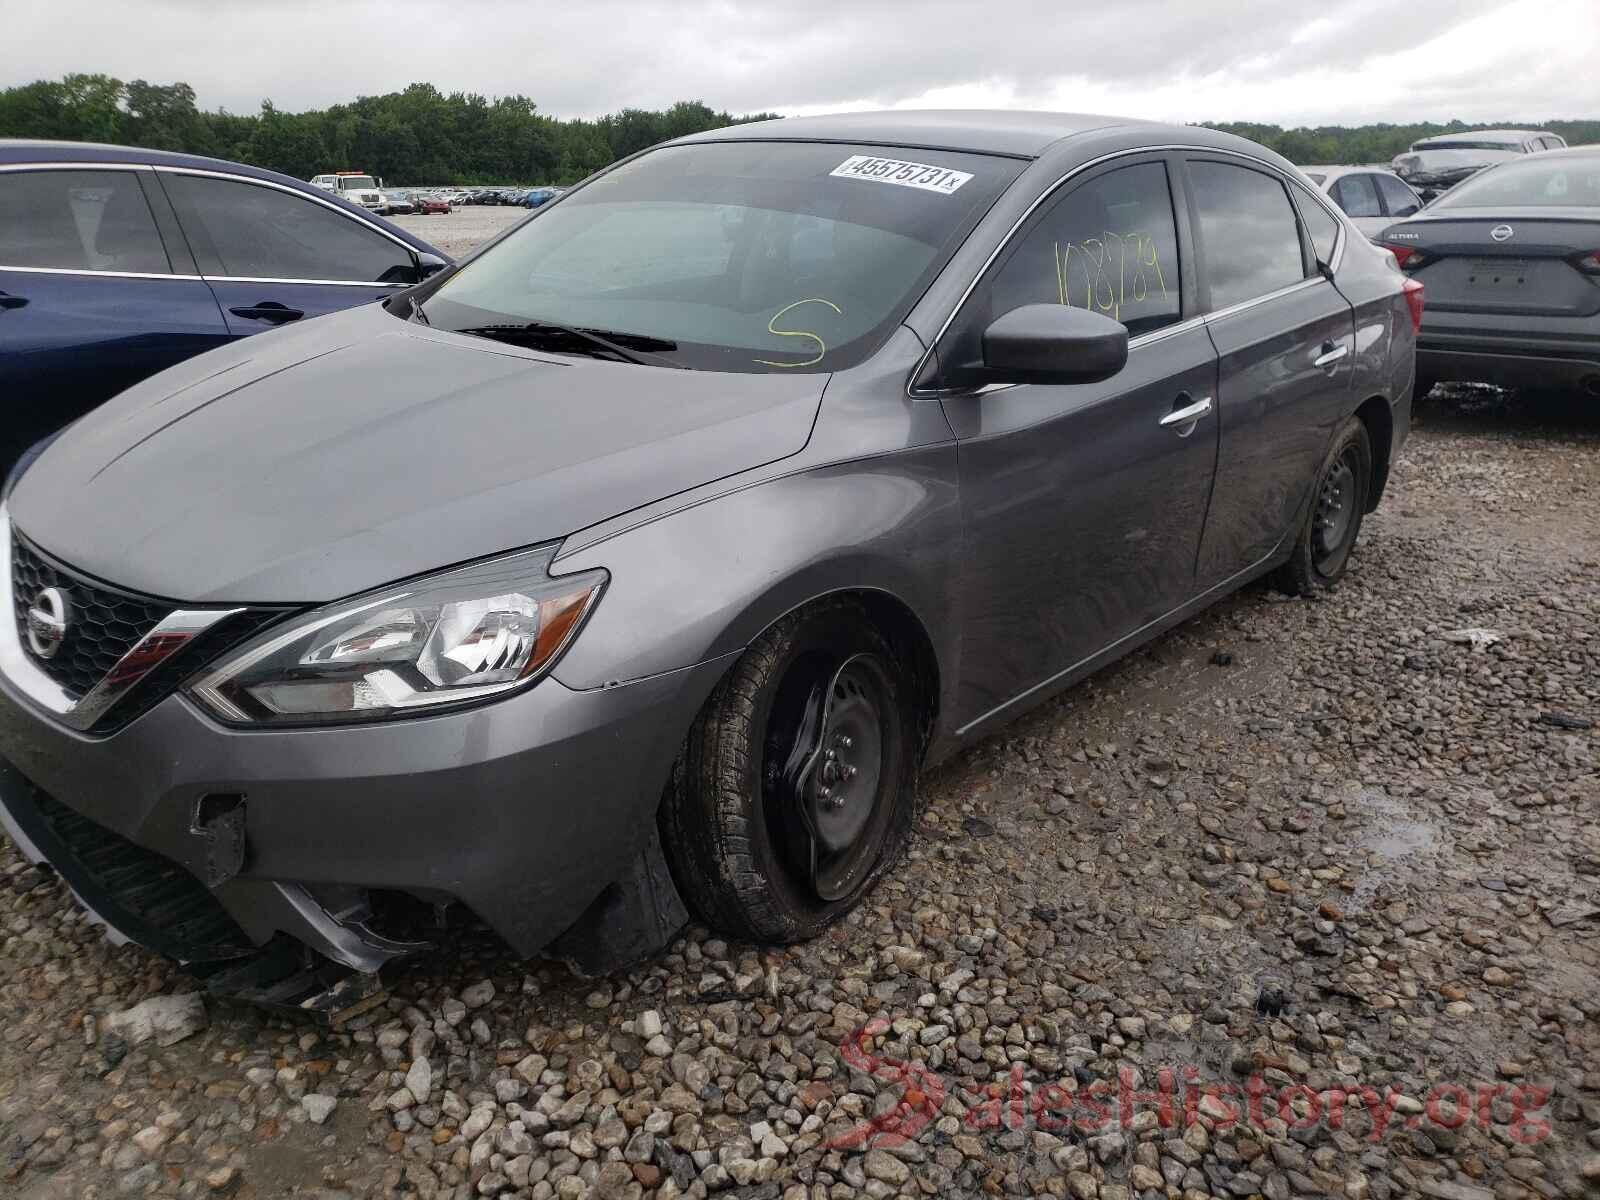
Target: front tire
<point x="1338" y="503"/>
<point x="756" y="855"/>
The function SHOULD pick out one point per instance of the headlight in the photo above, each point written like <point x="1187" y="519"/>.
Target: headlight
<point x="462" y="636"/>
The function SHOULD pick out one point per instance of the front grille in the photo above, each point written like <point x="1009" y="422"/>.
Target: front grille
<point x="147" y="896"/>
<point x="104" y="623"/>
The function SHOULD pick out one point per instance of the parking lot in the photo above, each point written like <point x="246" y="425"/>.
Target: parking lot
<point x="464" y="228"/>
<point x="1291" y="847"/>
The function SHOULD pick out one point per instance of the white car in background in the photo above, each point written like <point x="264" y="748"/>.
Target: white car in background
<point x="1372" y="197"/>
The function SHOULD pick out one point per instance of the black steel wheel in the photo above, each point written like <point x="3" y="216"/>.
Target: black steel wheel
<point x="1322" y="549"/>
<point x="796" y="786"/>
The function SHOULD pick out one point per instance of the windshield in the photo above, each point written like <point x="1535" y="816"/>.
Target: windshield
<point x="736" y="256"/>
<point x="1531" y="183"/>
<point x="356" y="181"/>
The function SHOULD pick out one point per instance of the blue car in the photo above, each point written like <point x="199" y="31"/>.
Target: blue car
<point x="538" y="196"/>
<point x="116" y="263"/>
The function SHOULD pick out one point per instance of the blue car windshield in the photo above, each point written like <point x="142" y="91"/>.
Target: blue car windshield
<point x="734" y="256"/>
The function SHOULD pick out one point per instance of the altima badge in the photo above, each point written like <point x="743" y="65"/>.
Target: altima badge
<point x="1501" y="233"/>
<point x="47" y="622"/>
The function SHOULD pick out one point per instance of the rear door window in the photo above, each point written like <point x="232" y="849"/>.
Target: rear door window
<point x="1110" y="244"/>
<point x="1357" y="196"/>
<point x="1400" y="200"/>
<point x="248" y="231"/>
<point x="1321" y="224"/>
<point x="1249" y="237"/>
<point x="79" y="221"/>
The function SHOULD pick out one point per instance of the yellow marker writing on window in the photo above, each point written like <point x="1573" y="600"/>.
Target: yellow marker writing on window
<point x="822" y="346"/>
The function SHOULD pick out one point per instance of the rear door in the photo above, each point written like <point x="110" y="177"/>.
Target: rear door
<point x="92" y="297"/>
<point x="1284" y="336"/>
<point x="1399" y="201"/>
<point x="273" y="255"/>
<point x="1357" y="195"/>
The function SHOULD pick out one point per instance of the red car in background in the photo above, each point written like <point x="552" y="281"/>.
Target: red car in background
<point x="432" y="204"/>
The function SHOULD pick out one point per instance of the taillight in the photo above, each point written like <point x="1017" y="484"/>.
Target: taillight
<point x="1589" y="264"/>
<point x="1412" y="290"/>
<point x="1409" y="258"/>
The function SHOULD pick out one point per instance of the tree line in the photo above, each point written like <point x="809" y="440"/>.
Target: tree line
<point x="421" y="135"/>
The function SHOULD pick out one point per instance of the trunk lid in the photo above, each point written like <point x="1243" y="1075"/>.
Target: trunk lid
<point x="1528" y="269"/>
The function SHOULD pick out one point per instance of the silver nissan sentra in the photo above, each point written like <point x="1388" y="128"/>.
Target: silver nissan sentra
<point x="631" y="568"/>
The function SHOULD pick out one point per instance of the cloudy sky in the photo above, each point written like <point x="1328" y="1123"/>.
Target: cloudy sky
<point x="1288" y="62"/>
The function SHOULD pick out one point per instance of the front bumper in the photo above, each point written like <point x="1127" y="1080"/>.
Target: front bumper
<point x="524" y="810"/>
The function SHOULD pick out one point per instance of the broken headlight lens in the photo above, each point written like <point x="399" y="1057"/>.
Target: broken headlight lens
<point x="464" y="635"/>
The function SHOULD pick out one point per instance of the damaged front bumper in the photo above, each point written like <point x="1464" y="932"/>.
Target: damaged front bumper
<point x="207" y="843"/>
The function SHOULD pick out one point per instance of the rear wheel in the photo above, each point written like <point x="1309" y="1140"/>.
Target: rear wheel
<point x="796" y="787"/>
<point x="1344" y="481"/>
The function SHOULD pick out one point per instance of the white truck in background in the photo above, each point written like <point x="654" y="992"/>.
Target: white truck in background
<point x="356" y="187"/>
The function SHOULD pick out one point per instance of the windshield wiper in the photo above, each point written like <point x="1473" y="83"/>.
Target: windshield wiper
<point x="607" y="340"/>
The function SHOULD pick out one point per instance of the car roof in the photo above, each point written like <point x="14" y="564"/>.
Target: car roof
<point x="1334" y="171"/>
<point x="15" y="151"/>
<point x="1014" y="133"/>
<point x="1509" y="136"/>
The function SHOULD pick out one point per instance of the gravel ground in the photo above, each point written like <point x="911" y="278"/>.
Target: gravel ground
<point x="463" y="229"/>
<point x="1317" y="846"/>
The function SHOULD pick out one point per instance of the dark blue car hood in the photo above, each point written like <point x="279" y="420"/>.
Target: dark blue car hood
<point x="322" y="460"/>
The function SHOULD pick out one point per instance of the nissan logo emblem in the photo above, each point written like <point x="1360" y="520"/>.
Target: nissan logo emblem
<point x="47" y="622"/>
<point x="1501" y="233"/>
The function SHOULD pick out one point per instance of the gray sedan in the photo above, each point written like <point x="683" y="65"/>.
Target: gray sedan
<point x="634" y="567"/>
<point x="1511" y="259"/>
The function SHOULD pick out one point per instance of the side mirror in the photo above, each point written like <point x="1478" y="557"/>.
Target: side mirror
<point x="429" y="264"/>
<point x="1054" y="343"/>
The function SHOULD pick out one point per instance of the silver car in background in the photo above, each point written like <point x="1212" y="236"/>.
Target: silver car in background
<point x="1434" y="165"/>
<point x="1372" y="197"/>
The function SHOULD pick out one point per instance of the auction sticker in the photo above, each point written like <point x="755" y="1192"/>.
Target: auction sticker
<point x="902" y="173"/>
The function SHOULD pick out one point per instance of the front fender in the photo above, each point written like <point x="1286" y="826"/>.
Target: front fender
<point x="707" y="579"/>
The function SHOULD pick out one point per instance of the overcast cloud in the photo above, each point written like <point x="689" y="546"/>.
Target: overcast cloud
<point x="1280" y="61"/>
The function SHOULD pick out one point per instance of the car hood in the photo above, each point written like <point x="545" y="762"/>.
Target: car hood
<point x="321" y="460"/>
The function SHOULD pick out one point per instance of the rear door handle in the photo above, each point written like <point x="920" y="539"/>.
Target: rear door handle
<point x="1331" y="353"/>
<point x="1187" y="415"/>
<point x="9" y="301"/>
<point x="268" y="310"/>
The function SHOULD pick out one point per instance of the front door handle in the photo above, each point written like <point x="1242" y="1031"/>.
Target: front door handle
<point x="1183" y="419"/>
<point x="10" y="301"/>
<point x="268" y="310"/>
<point x="1331" y="353"/>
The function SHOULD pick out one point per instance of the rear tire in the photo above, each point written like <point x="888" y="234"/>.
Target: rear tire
<point x="1333" y="521"/>
<point x="738" y="846"/>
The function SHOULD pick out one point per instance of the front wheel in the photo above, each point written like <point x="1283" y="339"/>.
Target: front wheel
<point x="1322" y="548"/>
<point x="796" y="786"/>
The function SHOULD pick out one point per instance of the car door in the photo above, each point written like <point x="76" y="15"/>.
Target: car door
<point x="1357" y="195"/>
<point x="92" y="297"/>
<point x="1284" y="338"/>
<point x="273" y="255"/>
<point x="1399" y="201"/>
<point x="1083" y="504"/>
